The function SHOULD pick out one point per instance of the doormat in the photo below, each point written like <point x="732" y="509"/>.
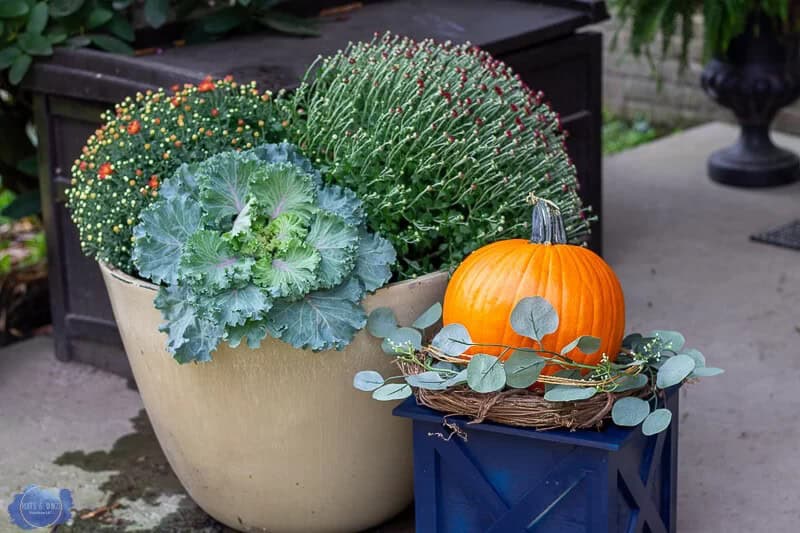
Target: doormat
<point x="787" y="235"/>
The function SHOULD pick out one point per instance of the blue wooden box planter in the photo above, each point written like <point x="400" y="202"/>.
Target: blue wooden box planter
<point x="504" y="479"/>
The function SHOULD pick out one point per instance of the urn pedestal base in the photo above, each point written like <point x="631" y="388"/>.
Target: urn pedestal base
<point x="754" y="161"/>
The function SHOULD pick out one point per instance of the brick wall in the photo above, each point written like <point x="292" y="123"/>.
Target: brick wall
<point x="630" y="89"/>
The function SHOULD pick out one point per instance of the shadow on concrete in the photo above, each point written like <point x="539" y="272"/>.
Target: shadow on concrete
<point x="141" y="473"/>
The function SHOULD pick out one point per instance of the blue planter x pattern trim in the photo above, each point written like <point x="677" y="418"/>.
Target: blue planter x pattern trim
<point x="507" y="480"/>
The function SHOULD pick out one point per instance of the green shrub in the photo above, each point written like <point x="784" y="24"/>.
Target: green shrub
<point x="441" y="142"/>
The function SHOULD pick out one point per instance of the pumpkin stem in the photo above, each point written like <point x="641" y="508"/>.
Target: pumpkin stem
<point x="547" y="226"/>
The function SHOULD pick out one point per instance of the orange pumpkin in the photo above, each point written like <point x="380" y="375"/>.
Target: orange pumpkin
<point x="577" y="282"/>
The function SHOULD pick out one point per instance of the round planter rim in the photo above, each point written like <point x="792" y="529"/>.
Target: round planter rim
<point x="139" y="282"/>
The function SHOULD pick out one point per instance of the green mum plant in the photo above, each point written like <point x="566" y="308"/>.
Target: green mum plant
<point x="144" y="140"/>
<point x="252" y="244"/>
<point x="442" y="143"/>
<point x="648" y="364"/>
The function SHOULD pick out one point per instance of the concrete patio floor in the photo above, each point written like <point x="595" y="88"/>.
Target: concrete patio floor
<point x="679" y="244"/>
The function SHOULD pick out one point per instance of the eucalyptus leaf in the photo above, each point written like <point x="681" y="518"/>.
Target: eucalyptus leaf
<point x="429" y="380"/>
<point x="534" y="317"/>
<point x="402" y="339"/>
<point x="674" y="370"/>
<point x="585" y="343"/>
<point x="429" y="317"/>
<point x="706" y="372"/>
<point x="699" y="358"/>
<point x="630" y="411"/>
<point x="523" y="369"/>
<point x="485" y="373"/>
<point x="392" y="391"/>
<point x="672" y="340"/>
<point x="657" y="421"/>
<point x="452" y="340"/>
<point x="634" y="382"/>
<point x="566" y="393"/>
<point x="381" y="322"/>
<point x="446" y="365"/>
<point x="368" y="380"/>
<point x="458" y="379"/>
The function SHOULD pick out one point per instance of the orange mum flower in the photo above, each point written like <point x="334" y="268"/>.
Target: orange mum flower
<point x="104" y="171"/>
<point x="206" y="85"/>
<point x="134" y="127"/>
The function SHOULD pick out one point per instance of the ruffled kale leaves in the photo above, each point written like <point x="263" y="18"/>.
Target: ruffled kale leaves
<point x="289" y="273"/>
<point x="321" y="320"/>
<point x="252" y="244"/>
<point x="161" y="235"/>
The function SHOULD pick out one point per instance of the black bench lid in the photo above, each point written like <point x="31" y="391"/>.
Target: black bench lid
<point x="275" y="61"/>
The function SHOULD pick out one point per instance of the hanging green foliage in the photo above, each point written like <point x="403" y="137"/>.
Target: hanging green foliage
<point x="649" y="21"/>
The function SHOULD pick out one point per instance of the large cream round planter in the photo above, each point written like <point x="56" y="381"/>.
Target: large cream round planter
<point x="276" y="439"/>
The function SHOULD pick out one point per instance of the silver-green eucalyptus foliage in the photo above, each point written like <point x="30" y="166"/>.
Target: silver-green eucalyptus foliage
<point x="648" y="364"/>
<point x="252" y="244"/>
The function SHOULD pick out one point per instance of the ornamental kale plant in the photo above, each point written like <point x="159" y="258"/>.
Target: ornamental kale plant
<point x="442" y="143"/>
<point x="144" y="140"/>
<point x="252" y="244"/>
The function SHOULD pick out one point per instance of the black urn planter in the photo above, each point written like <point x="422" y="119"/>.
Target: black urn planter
<point x="759" y="75"/>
